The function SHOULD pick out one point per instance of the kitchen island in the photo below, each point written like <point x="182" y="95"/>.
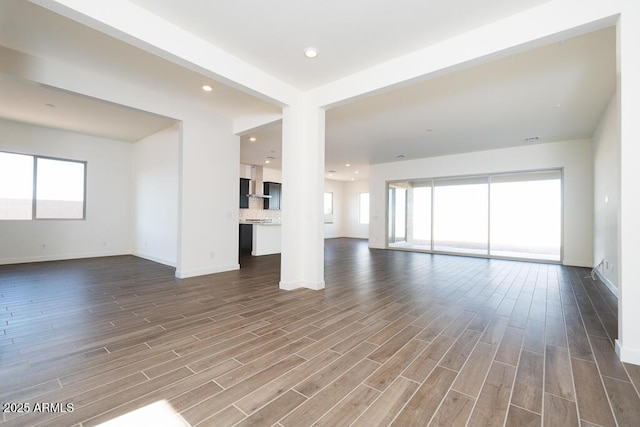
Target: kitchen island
<point x="265" y="236"/>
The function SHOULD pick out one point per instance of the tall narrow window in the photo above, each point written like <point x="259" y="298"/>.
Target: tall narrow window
<point x="328" y="203"/>
<point x="328" y="208"/>
<point x="16" y="186"/>
<point x="364" y="208"/>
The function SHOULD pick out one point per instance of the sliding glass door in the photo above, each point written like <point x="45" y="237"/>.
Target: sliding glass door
<point x="526" y="215"/>
<point x="516" y="215"/>
<point x="397" y="214"/>
<point x="419" y="215"/>
<point x="460" y="215"/>
<point x="409" y="216"/>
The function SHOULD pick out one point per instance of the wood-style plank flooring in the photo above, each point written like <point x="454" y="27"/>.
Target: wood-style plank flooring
<point x="396" y="338"/>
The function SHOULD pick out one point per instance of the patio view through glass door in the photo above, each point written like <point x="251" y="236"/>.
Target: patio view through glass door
<point x="515" y="215"/>
<point x="460" y="215"/>
<point x="410" y="215"/>
<point x="397" y="214"/>
<point x="526" y="215"/>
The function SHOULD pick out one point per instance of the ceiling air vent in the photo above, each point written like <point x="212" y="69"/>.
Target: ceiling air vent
<point x="532" y="139"/>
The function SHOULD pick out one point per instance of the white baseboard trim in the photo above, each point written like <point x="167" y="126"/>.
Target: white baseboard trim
<point x="60" y="257"/>
<point x="183" y="274"/>
<point x="613" y="288"/>
<point x="576" y="263"/>
<point x="156" y="259"/>
<point x="290" y="286"/>
<point x="628" y="355"/>
<point x="253" y="253"/>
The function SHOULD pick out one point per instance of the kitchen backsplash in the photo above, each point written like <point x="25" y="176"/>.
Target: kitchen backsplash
<point x="256" y="211"/>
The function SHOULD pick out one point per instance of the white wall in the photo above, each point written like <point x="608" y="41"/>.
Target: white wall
<point x="574" y="156"/>
<point x="352" y="226"/>
<point x="335" y="227"/>
<point x="106" y="229"/>
<point x="209" y="172"/>
<point x="346" y="209"/>
<point x="606" y="190"/>
<point x="268" y="174"/>
<point x="628" y="343"/>
<point x="271" y="175"/>
<point x="155" y="196"/>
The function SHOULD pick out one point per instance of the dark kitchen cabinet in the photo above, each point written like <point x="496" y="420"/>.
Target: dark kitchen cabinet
<point x="246" y="239"/>
<point x="244" y="190"/>
<point x="273" y="189"/>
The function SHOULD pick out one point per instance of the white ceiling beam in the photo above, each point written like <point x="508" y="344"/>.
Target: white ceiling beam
<point x="549" y="22"/>
<point x="553" y="21"/>
<point x="252" y="122"/>
<point x="137" y="26"/>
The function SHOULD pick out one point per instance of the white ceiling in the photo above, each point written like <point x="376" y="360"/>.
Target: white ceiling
<point x="350" y="35"/>
<point x="556" y="92"/>
<point x="30" y="29"/>
<point x="34" y="103"/>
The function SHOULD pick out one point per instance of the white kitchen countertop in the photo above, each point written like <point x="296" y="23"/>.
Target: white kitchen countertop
<point x="260" y="223"/>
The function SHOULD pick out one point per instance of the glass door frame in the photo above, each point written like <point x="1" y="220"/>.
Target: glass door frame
<point x="389" y="184"/>
<point x="391" y="222"/>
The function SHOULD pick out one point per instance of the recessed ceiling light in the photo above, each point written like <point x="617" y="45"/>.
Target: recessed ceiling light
<point x="348" y="164"/>
<point x="311" y="52"/>
<point x="357" y="172"/>
<point x="353" y="179"/>
<point x="253" y="139"/>
<point x="267" y="161"/>
<point x="207" y="88"/>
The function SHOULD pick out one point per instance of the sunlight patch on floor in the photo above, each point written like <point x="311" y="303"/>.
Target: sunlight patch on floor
<point x="157" y="414"/>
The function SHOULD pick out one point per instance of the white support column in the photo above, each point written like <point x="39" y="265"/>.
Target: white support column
<point x="628" y="343"/>
<point x="302" y="263"/>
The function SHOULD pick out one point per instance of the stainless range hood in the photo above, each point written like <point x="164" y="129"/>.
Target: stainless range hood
<point x="256" y="188"/>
